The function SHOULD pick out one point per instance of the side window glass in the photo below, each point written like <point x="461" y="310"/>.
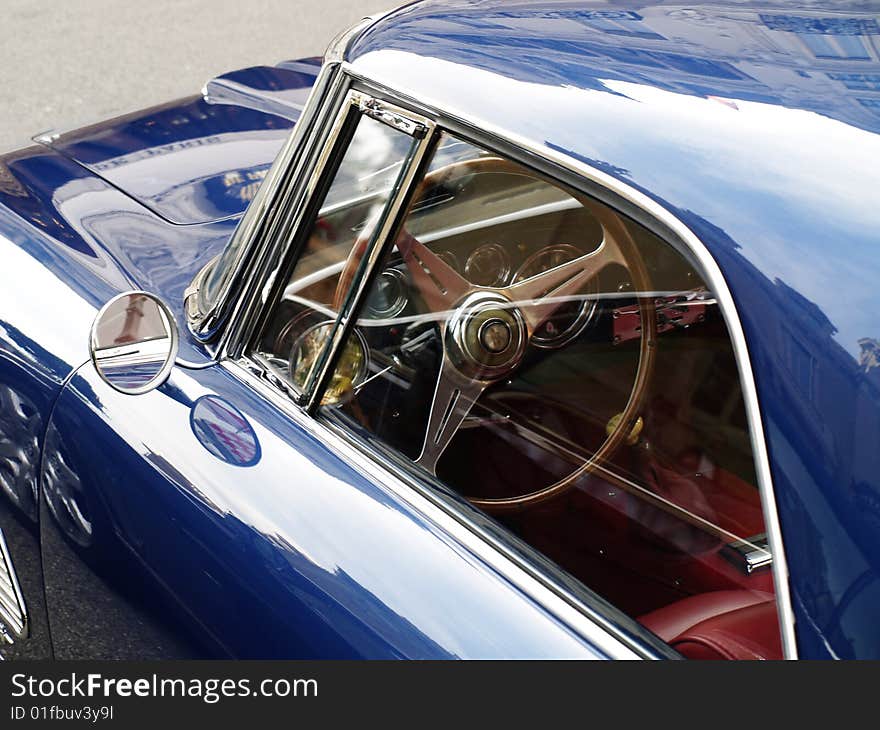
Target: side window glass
<point x="308" y="305"/>
<point x="571" y="374"/>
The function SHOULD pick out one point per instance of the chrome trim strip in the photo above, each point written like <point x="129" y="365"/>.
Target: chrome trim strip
<point x="13" y="614"/>
<point x="344" y="119"/>
<point x="288" y="210"/>
<point x="204" y="324"/>
<point x="716" y="281"/>
<point x="560" y="604"/>
<point x="236" y="300"/>
<point x="337" y="49"/>
<point x="422" y="130"/>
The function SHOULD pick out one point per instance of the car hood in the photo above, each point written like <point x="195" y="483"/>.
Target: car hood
<point x="199" y="159"/>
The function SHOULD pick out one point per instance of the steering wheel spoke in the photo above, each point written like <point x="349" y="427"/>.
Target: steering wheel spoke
<point x="454" y="396"/>
<point x="438" y="282"/>
<point x="485" y="331"/>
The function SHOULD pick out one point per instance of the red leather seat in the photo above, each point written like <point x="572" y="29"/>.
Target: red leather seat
<point x="720" y="625"/>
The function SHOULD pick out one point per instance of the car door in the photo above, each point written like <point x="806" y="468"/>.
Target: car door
<point x="161" y="542"/>
<point x="211" y="517"/>
<point x="510" y="342"/>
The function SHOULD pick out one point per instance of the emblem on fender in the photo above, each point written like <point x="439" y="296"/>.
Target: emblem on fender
<point x="224" y="431"/>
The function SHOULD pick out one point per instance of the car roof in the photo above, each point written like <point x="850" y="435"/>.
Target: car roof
<point x="711" y="109"/>
<point x="778" y="53"/>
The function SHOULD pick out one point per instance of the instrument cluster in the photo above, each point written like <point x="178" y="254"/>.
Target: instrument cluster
<point x="491" y="265"/>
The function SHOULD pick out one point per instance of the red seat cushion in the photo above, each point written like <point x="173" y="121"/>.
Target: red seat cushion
<point x="720" y="625"/>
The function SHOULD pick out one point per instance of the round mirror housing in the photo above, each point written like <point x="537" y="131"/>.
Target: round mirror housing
<point x="133" y="342"/>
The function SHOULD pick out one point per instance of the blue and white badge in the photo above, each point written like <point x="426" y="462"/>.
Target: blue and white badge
<point x="224" y="431"/>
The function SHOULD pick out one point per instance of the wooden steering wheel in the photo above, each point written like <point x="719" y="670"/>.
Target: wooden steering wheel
<point x="487" y="329"/>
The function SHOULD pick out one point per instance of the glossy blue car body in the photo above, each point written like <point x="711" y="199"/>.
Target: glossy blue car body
<point x="756" y="128"/>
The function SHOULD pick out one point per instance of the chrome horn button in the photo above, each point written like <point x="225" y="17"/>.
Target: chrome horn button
<point x="495" y="335"/>
<point x="486" y="336"/>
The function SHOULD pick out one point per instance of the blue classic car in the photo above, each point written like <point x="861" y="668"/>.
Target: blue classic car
<point x="506" y="329"/>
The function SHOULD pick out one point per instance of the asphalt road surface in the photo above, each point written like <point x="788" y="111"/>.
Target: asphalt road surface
<point x="65" y="63"/>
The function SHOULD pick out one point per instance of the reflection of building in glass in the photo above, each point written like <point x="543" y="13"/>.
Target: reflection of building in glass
<point x="132" y="318"/>
<point x="824" y="37"/>
<point x="869" y="358"/>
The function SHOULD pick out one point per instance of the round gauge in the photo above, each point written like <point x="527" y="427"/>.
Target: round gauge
<point x="570" y="319"/>
<point x="388" y="297"/>
<point x="351" y="367"/>
<point x="291" y="331"/>
<point x="488" y="265"/>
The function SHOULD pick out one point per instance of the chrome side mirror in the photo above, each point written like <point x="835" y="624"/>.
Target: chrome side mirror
<point x="133" y="342"/>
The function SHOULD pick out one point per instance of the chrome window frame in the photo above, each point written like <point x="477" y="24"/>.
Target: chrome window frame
<point x="280" y="206"/>
<point x="214" y="325"/>
<point x="422" y="130"/>
<point x="286" y="241"/>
